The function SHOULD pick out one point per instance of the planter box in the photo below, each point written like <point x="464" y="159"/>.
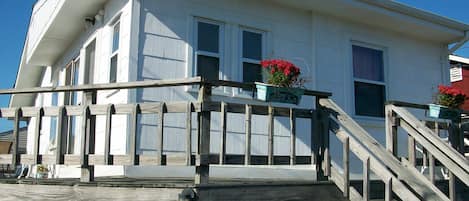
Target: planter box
<point x="442" y="112"/>
<point x="271" y="93"/>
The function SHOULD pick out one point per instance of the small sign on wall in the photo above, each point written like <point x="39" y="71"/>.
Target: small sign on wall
<point x="455" y="74"/>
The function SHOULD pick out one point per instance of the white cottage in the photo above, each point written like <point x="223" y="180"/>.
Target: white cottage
<point x="364" y="52"/>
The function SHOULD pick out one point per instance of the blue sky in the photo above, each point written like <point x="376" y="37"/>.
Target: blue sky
<point x="15" y="18"/>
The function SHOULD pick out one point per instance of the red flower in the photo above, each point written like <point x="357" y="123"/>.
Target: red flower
<point x="288" y="75"/>
<point x="450" y="91"/>
<point x="451" y="97"/>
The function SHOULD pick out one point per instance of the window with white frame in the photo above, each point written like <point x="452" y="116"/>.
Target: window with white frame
<point x="252" y="54"/>
<point x="208" y="49"/>
<point x="53" y="123"/>
<point x="71" y="98"/>
<point x="369" y="82"/>
<point x="114" y="53"/>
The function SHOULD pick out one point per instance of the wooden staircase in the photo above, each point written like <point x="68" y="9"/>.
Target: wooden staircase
<point x="401" y="179"/>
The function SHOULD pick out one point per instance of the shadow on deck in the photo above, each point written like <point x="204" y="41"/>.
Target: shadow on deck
<point x="112" y="188"/>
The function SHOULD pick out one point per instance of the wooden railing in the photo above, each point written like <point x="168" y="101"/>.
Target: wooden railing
<point x="399" y="180"/>
<point x="203" y="107"/>
<point x="450" y="155"/>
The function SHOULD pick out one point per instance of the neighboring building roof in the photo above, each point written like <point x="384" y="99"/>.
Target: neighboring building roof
<point x="458" y="59"/>
<point x="8" y="136"/>
<point x="61" y="30"/>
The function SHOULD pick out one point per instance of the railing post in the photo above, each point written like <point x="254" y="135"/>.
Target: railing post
<point x="270" y="137"/>
<point x="366" y="179"/>
<point x="108" y="159"/>
<point x="322" y="142"/>
<point x="292" y="137"/>
<point x="37" y="136"/>
<point x="456" y="135"/>
<point x="160" y="134"/>
<point x="16" y="136"/>
<point x="134" y="157"/>
<point x="346" y="164"/>
<point x="61" y="136"/>
<point x="87" y="172"/>
<point x="203" y="152"/>
<point x="188" y="133"/>
<point x="88" y="136"/>
<point x="223" y="112"/>
<point x="392" y="122"/>
<point x="247" y="125"/>
<point x="411" y="149"/>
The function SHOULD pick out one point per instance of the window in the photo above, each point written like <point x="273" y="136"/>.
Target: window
<point x="53" y="123"/>
<point x="114" y="53"/>
<point x="251" y="56"/>
<point x="90" y="59"/>
<point x="208" y="56"/>
<point x="71" y="98"/>
<point x="71" y="79"/>
<point x="368" y="72"/>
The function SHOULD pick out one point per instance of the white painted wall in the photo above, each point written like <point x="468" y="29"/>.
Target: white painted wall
<point x="319" y="44"/>
<point x="102" y="33"/>
<point x="413" y="69"/>
<point x="157" y="40"/>
<point x="166" y="40"/>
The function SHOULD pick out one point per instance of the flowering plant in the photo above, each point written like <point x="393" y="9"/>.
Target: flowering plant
<point x="450" y="97"/>
<point x="282" y="73"/>
<point x="42" y="169"/>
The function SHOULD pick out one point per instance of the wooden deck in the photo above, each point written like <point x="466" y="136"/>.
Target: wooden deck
<point x="398" y="175"/>
<point x="166" y="189"/>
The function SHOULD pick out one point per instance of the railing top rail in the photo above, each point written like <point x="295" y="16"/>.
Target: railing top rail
<point x="320" y="94"/>
<point x="110" y="86"/>
<point x="145" y="84"/>
<point x="416" y="106"/>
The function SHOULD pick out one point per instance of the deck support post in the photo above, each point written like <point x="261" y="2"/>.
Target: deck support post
<point x="15" y="159"/>
<point x="321" y="142"/>
<point x="392" y="123"/>
<point x="202" y="167"/>
<point x="88" y="136"/>
<point x="456" y="139"/>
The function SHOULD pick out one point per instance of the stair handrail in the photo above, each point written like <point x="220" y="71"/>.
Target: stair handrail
<point x="419" y="185"/>
<point x="392" y="183"/>
<point x="441" y="150"/>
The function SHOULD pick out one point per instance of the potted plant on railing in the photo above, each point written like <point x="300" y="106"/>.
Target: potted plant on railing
<point x="41" y="171"/>
<point x="448" y="102"/>
<point x="283" y="82"/>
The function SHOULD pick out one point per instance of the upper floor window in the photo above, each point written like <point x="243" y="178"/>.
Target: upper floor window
<point x="115" y="53"/>
<point x="208" y="51"/>
<point x="72" y="79"/>
<point x="369" y="83"/>
<point x="252" y="49"/>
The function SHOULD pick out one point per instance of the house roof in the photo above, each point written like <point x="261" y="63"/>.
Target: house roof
<point x="388" y="15"/>
<point x="384" y="14"/>
<point x="53" y="26"/>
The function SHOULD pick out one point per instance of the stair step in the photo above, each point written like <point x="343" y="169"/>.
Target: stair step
<point x="321" y="191"/>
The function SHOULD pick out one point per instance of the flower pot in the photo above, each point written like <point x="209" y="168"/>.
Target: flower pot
<point x="42" y="175"/>
<point x="271" y="93"/>
<point x="442" y="112"/>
